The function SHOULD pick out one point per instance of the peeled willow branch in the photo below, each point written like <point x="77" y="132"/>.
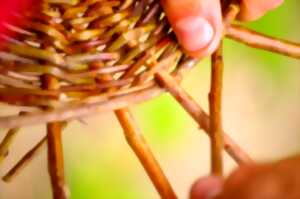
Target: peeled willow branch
<point x="258" y="40"/>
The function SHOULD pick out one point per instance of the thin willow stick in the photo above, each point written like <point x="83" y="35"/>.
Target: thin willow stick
<point x="199" y="115"/>
<point x="25" y="160"/>
<point x="55" y="149"/>
<point x="215" y="110"/>
<point x="81" y="110"/>
<point x="139" y="146"/>
<point x="55" y="161"/>
<point x="258" y="40"/>
<point x="8" y="140"/>
<point x="6" y="143"/>
<point x="137" y="143"/>
<point x="231" y="12"/>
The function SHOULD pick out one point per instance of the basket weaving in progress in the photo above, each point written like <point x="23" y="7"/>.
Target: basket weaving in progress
<point x="71" y="59"/>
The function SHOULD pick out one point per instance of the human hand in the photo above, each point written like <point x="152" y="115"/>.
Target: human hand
<point x="198" y="23"/>
<point x="280" y="180"/>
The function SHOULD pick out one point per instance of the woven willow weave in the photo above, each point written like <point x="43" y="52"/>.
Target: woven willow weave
<point x="72" y="59"/>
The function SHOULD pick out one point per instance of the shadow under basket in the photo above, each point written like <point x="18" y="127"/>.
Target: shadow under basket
<point x="72" y="59"/>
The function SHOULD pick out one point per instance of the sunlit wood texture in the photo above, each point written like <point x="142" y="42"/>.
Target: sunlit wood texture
<point x="215" y="110"/>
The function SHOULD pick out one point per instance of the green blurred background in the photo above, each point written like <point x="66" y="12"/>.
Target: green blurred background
<point x="261" y="112"/>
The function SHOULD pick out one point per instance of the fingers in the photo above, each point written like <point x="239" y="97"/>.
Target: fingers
<point x="196" y="23"/>
<point x="254" y="9"/>
<point x="273" y="181"/>
<point x="206" y="188"/>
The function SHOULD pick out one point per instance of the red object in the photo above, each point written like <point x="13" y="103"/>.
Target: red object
<point x="11" y="12"/>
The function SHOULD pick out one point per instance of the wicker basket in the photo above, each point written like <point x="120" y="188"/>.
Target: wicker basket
<point x="72" y="59"/>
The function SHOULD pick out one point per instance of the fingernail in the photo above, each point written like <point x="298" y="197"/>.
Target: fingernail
<point x="194" y="33"/>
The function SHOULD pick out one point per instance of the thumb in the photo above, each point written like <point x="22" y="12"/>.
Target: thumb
<point x="196" y="23"/>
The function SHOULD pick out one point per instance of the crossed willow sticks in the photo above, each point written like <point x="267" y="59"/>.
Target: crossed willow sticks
<point x="212" y="124"/>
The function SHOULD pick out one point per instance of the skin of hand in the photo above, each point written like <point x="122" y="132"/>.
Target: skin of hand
<point x="198" y="23"/>
<point x="279" y="180"/>
<point x="198" y="27"/>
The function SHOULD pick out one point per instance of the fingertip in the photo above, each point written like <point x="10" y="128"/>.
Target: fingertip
<point x="194" y="32"/>
<point x="206" y="188"/>
<point x="209" y="49"/>
<point x="196" y="23"/>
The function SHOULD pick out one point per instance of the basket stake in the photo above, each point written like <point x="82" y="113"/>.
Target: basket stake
<point x="215" y="106"/>
<point x="55" y="149"/>
<point x="139" y="146"/>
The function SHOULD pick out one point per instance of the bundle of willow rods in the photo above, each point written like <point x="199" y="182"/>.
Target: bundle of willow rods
<point x="96" y="50"/>
<point x="74" y="58"/>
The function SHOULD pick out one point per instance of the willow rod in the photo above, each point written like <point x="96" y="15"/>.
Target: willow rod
<point x="88" y="109"/>
<point x="199" y="115"/>
<point x="55" y="149"/>
<point x="24" y="161"/>
<point x="139" y="146"/>
<point x="215" y="110"/>
<point x="262" y="41"/>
